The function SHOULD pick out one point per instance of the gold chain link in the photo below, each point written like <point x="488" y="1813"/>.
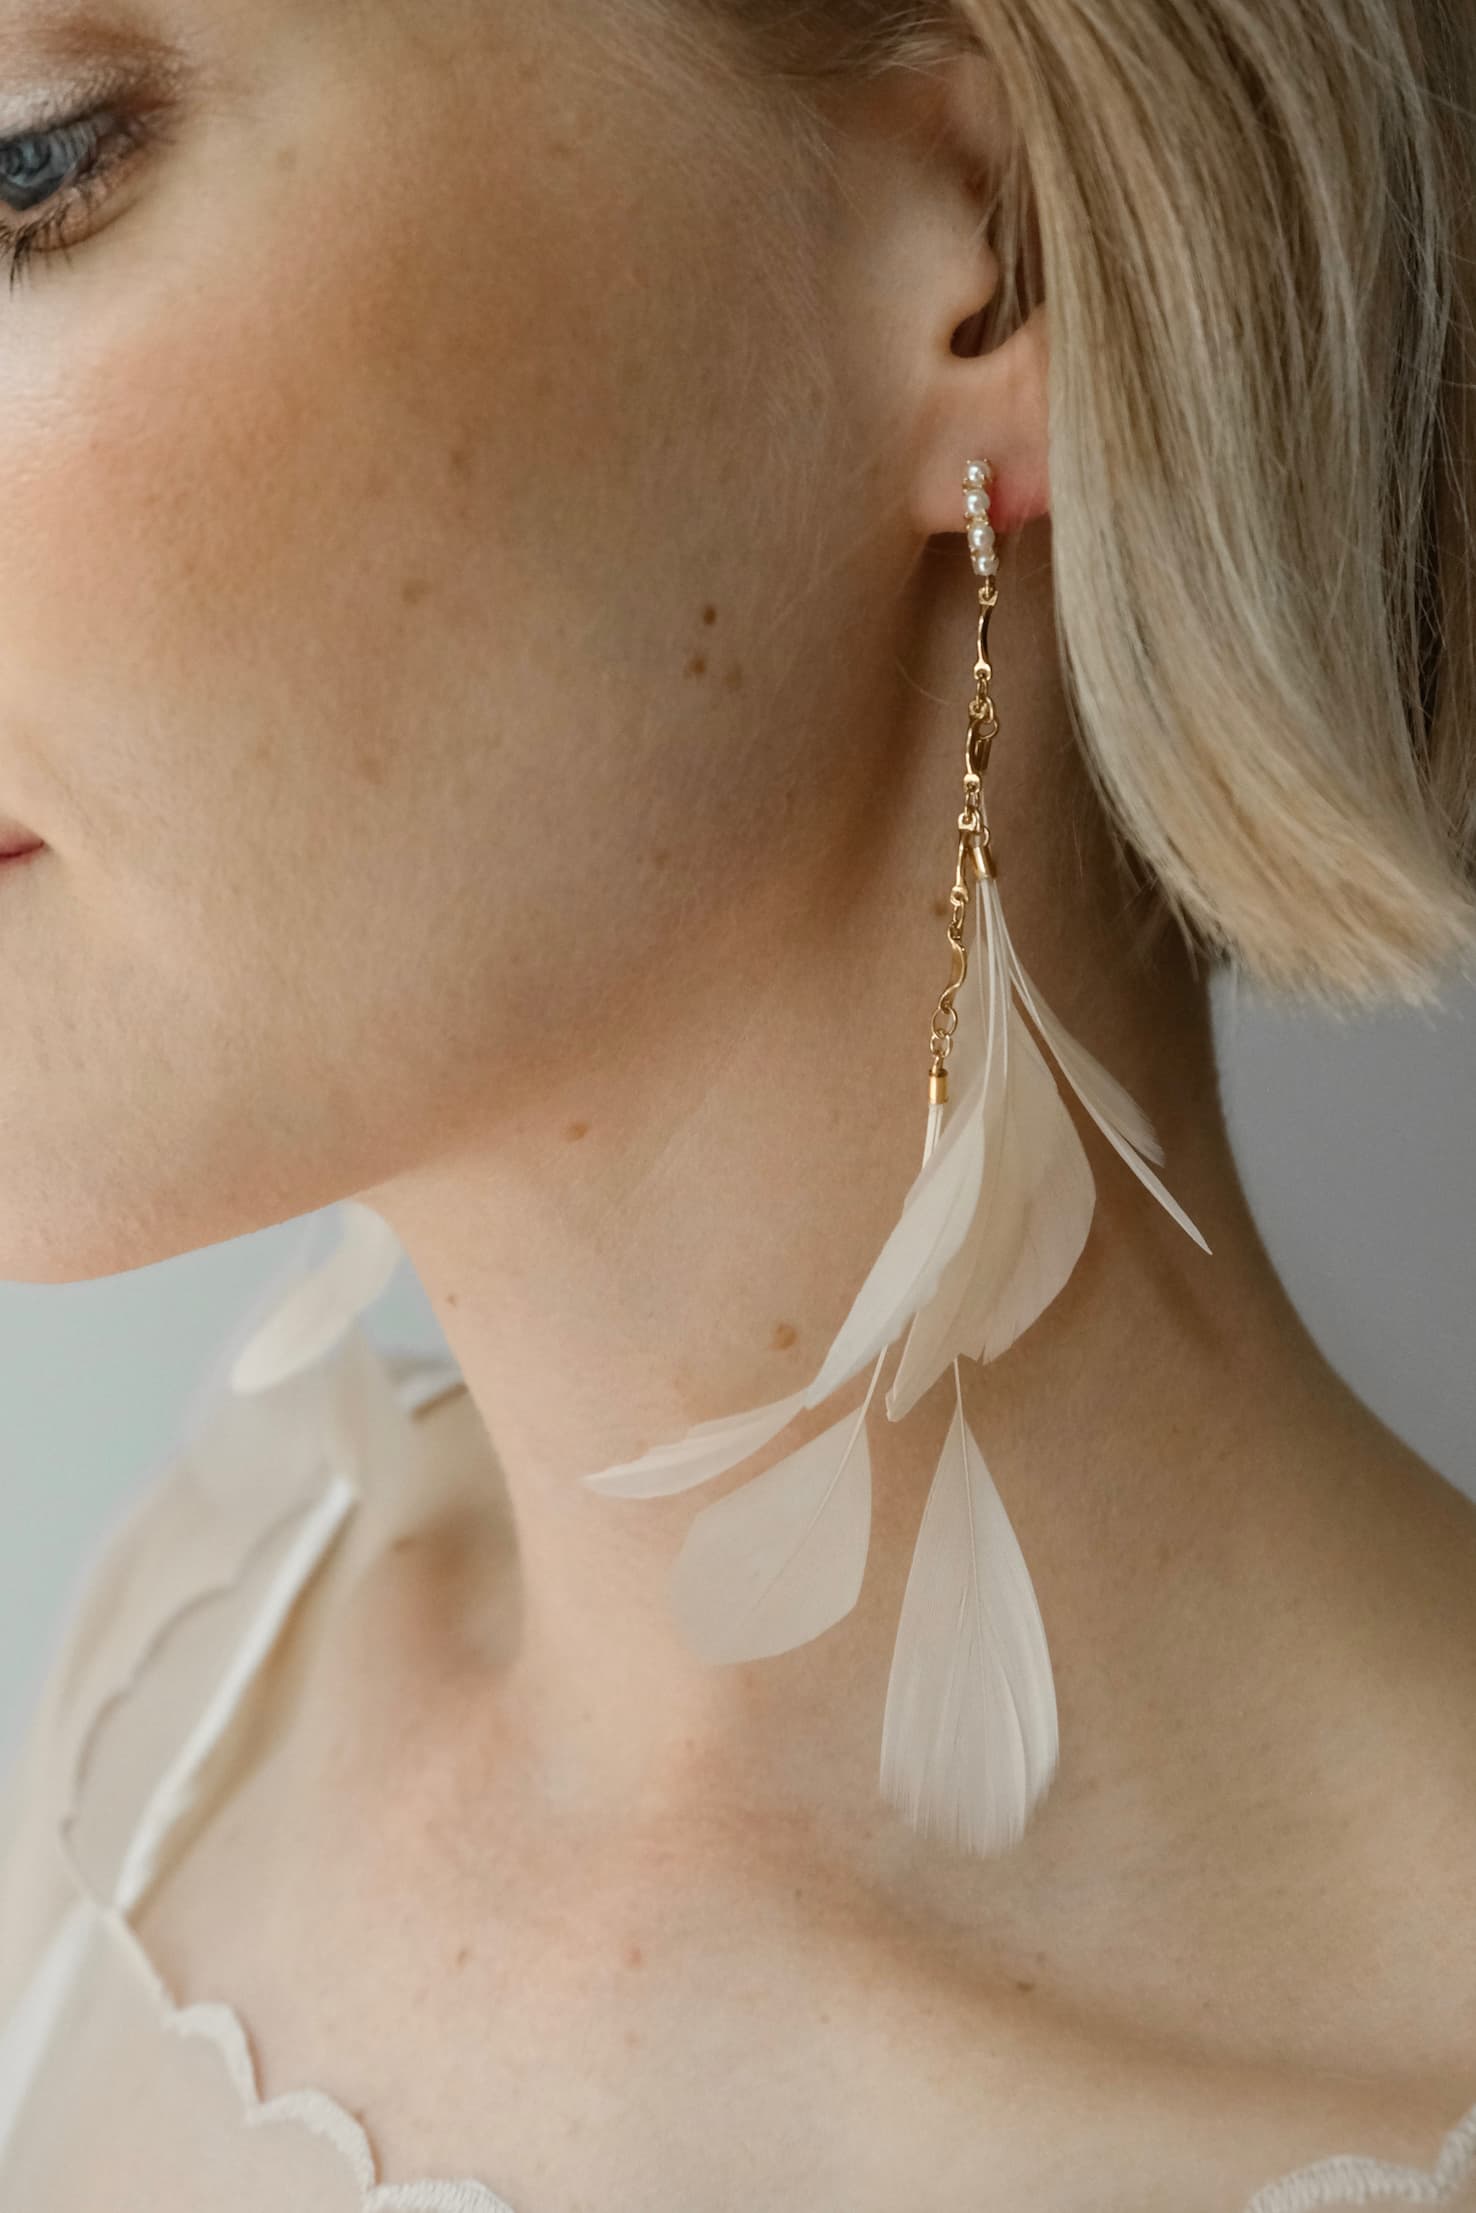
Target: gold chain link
<point x="974" y="852"/>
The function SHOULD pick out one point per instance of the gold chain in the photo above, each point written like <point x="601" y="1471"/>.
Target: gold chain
<point x="974" y="853"/>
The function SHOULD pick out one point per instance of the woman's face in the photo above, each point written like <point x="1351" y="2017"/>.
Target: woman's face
<point x="429" y="524"/>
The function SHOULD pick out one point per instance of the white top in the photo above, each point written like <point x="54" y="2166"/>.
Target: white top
<point x="113" y="2098"/>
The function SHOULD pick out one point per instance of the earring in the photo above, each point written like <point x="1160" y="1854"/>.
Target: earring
<point x="990" y="1229"/>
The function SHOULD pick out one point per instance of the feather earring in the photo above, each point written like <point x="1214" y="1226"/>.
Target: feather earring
<point x="990" y="1230"/>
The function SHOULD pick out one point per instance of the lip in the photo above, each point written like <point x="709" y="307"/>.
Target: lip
<point x="17" y="839"/>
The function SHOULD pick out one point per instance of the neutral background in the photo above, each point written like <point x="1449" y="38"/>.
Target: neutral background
<point x="1354" y="1139"/>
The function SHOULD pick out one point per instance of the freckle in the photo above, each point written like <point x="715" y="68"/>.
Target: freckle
<point x="734" y="678"/>
<point x="660" y="857"/>
<point x="634" y="1956"/>
<point x="286" y="158"/>
<point x="414" y="591"/>
<point x="463" y="1955"/>
<point x="1027" y="1987"/>
<point x="785" y="1334"/>
<point x="452" y="1297"/>
<point x="697" y="666"/>
<point x="709" y="614"/>
<point x="575" y="1130"/>
<point x="460" y="458"/>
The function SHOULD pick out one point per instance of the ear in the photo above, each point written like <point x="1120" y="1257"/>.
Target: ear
<point x="968" y="405"/>
<point x="986" y="407"/>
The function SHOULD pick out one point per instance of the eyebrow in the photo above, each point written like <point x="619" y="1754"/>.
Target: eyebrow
<point x="41" y="33"/>
<point x="80" y="53"/>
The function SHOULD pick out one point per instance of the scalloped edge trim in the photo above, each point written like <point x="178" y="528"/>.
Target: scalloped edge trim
<point x="221" y="2026"/>
<point x="1349" y="2179"/>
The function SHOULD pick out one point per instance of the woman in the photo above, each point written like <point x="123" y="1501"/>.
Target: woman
<point x="485" y="659"/>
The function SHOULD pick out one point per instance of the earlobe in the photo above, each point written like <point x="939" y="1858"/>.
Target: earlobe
<point x="994" y="403"/>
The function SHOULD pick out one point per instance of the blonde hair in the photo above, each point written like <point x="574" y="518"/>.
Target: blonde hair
<point x="1252" y="221"/>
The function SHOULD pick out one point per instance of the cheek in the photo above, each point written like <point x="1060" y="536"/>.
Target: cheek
<point x="286" y="550"/>
<point x="364" y="633"/>
<point x="366" y="555"/>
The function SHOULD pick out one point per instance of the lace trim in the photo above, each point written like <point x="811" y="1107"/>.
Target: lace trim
<point x="1347" y="2179"/>
<point x="218" y="2024"/>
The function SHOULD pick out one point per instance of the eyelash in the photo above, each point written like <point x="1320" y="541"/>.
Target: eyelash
<point x="122" y="137"/>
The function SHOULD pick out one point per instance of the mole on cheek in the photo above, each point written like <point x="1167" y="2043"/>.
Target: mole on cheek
<point x="785" y="1334"/>
<point x="697" y="666"/>
<point x="575" y="1130"/>
<point x="709" y="614"/>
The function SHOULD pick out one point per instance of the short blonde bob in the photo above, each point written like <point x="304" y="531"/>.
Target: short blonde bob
<point x="1252" y="220"/>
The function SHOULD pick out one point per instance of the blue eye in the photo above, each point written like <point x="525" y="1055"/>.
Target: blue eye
<point x="29" y="170"/>
<point x="66" y="167"/>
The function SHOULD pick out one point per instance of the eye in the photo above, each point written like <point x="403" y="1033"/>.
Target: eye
<point x="65" y="168"/>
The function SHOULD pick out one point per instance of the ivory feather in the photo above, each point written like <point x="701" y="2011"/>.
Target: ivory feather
<point x="970" y="1736"/>
<point x="1034" y="1209"/>
<point x="707" y="1449"/>
<point x="934" y="1219"/>
<point x="779" y="1560"/>
<point x="936" y="1212"/>
<point x="1116" y="1114"/>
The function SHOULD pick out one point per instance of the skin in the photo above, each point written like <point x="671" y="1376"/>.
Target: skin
<point x="488" y="670"/>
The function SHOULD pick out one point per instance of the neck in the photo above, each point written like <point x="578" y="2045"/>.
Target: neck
<point x="678" y="1232"/>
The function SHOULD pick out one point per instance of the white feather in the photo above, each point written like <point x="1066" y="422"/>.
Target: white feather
<point x="970" y="1737"/>
<point x="936" y="1212"/>
<point x="706" y="1450"/>
<point x="1116" y="1114"/>
<point x="308" y="1323"/>
<point x="1035" y="1203"/>
<point x="935" y="1217"/>
<point x="779" y="1560"/>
